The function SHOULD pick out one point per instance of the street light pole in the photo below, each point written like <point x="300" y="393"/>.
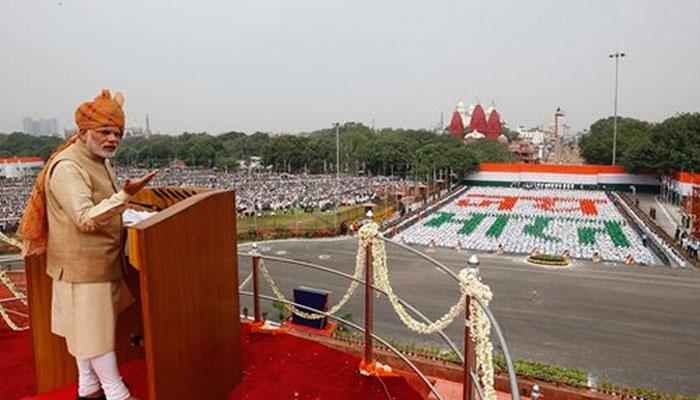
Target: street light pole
<point x="337" y="171"/>
<point x="617" y="57"/>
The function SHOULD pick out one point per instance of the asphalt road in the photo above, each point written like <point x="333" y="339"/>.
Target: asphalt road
<point x="633" y="325"/>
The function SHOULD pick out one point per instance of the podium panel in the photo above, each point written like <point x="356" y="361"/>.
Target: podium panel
<point x="189" y="288"/>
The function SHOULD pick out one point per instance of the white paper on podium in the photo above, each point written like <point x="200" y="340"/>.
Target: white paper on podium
<point x="132" y="217"/>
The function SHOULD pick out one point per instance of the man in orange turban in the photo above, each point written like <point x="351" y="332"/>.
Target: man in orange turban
<point x="74" y="215"/>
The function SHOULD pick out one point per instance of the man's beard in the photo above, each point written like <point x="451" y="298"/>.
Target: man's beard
<point x="97" y="150"/>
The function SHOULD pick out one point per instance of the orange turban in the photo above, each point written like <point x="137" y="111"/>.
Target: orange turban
<point x="105" y="111"/>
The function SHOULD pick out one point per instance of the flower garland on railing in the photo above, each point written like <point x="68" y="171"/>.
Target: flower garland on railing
<point x="5" y="280"/>
<point x="469" y="284"/>
<point x="20" y="296"/>
<point x="348" y="293"/>
<point x="10" y="322"/>
<point x="11" y="241"/>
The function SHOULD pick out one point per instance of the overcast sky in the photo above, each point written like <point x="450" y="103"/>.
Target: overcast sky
<point x="291" y="66"/>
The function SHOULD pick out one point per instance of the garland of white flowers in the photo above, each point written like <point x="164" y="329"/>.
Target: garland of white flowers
<point x="469" y="284"/>
<point x="348" y="293"/>
<point x="5" y="280"/>
<point x="10" y="322"/>
<point x="11" y="241"/>
<point x="20" y="296"/>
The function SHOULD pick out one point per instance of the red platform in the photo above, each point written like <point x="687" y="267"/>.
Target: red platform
<point x="275" y="367"/>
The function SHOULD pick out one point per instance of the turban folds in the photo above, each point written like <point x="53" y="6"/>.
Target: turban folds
<point x="104" y="111"/>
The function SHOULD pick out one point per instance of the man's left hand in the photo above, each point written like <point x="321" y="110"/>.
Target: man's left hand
<point x="131" y="187"/>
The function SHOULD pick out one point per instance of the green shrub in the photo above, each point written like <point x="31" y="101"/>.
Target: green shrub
<point x="548" y="259"/>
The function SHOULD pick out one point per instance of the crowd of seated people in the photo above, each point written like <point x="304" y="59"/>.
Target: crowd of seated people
<point x="14" y="193"/>
<point x="255" y="193"/>
<point x="266" y="191"/>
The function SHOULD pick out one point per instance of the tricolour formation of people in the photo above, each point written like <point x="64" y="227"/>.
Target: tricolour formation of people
<point x="578" y="223"/>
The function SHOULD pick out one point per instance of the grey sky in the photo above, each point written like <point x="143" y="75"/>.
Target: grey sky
<point x="300" y="65"/>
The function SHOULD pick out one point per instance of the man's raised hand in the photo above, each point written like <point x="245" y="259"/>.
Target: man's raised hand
<point x="133" y="186"/>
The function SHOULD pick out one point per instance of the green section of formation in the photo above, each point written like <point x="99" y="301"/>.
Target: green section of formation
<point x="618" y="237"/>
<point x="537" y="229"/>
<point x="586" y="235"/>
<point x="441" y="219"/>
<point x="470" y="225"/>
<point x="498" y="226"/>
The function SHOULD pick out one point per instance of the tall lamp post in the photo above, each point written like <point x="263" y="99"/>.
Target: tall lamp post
<point x="337" y="171"/>
<point x="617" y="57"/>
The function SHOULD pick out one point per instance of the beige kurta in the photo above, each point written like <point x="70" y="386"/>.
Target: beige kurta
<point x="86" y="313"/>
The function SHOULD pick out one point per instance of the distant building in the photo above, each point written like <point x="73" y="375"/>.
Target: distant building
<point x="474" y="125"/>
<point x="525" y="152"/>
<point x="135" y="131"/>
<point x="17" y="167"/>
<point x="533" y="135"/>
<point x="40" y="127"/>
<point x="138" y="131"/>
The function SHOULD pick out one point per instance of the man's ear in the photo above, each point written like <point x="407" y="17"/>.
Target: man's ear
<point x="82" y="135"/>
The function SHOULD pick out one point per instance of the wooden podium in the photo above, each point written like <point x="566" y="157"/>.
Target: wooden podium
<point x="185" y="320"/>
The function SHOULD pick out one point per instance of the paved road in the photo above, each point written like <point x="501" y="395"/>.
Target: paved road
<point x="636" y="326"/>
<point x="668" y="216"/>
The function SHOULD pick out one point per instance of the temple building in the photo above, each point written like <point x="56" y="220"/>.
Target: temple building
<point x="478" y="126"/>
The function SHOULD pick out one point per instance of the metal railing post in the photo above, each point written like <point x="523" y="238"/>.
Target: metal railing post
<point x="368" y="304"/>
<point x="468" y="391"/>
<point x="256" y="291"/>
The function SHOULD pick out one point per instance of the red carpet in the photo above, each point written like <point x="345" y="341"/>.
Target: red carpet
<point x="275" y="367"/>
<point x="16" y="369"/>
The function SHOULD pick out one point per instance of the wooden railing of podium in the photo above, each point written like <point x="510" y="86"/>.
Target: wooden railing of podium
<point x="185" y="321"/>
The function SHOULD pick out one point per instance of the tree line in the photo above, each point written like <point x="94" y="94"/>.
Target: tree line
<point x="660" y="148"/>
<point x="401" y="152"/>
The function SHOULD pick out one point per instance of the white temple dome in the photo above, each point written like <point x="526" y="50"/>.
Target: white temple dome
<point x="476" y="135"/>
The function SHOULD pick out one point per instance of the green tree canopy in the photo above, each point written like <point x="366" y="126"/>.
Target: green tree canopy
<point x="596" y="146"/>
<point x="673" y="145"/>
<point x="404" y="152"/>
<point x="19" y="144"/>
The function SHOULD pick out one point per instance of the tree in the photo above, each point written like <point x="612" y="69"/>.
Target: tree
<point x="23" y="145"/>
<point x="462" y="161"/>
<point x="490" y="151"/>
<point x="510" y="134"/>
<point x="596" y="145"/>
<point x="673" y="145"/>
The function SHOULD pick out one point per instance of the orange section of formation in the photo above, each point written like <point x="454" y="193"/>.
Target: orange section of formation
<point x="552" y="168"/>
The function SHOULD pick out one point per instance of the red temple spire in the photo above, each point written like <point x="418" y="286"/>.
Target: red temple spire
<point x="478" y="120"/>
<point x="493" y="126"/>
<point x="456" y="127"/>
